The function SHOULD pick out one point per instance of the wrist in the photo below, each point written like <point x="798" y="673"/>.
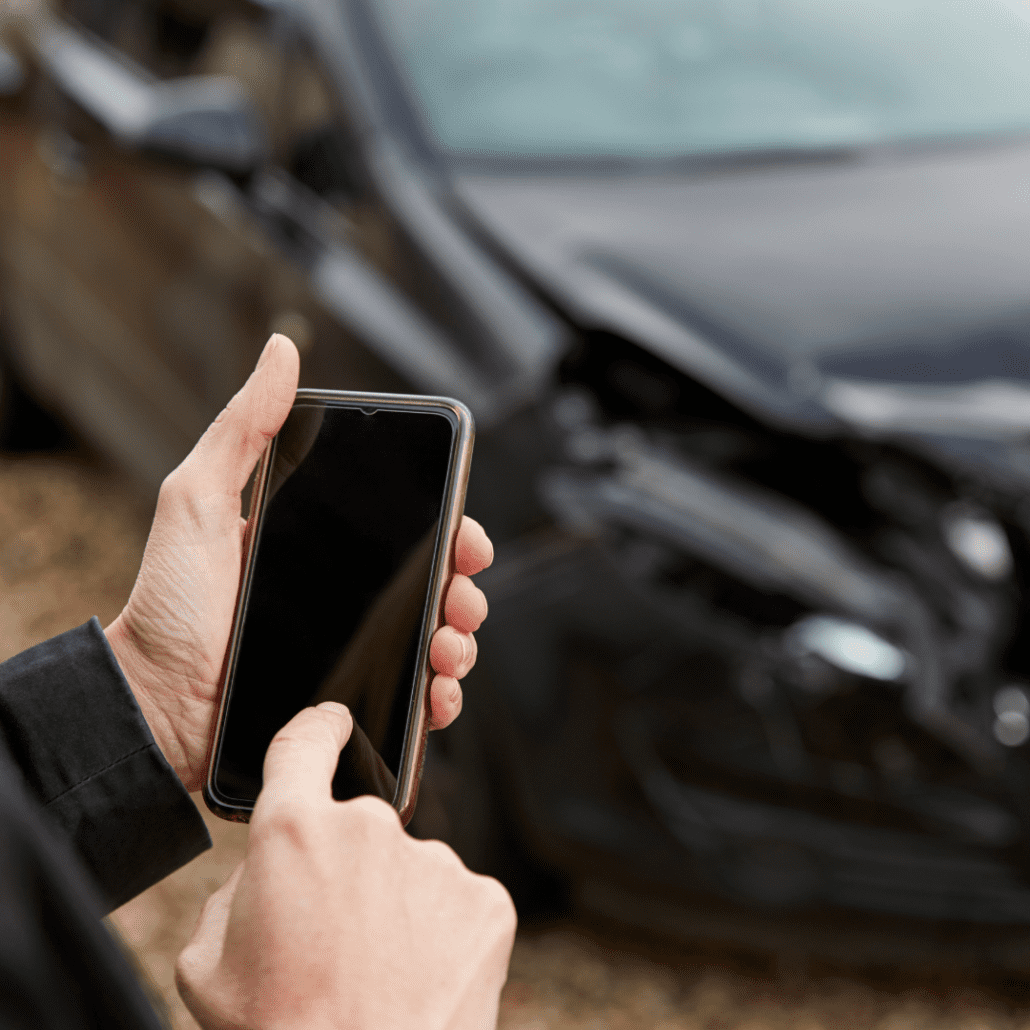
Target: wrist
<point x="142" y="679"/>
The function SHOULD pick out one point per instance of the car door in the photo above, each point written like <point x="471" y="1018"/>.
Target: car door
<point x="129" y="292"/>
<point x="330" y="240"/>
<point x="158" y="284"/>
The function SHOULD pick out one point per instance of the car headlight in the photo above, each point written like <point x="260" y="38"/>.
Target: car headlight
<point x="847" y="646"/>
<point x="979" y="542"/>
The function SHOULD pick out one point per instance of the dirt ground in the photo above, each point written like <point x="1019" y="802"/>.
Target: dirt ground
<point x="71" y="537"/>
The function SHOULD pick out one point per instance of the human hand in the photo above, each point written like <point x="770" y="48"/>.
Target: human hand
<point x="171" y="637"/>
<point x="337" y="918"/>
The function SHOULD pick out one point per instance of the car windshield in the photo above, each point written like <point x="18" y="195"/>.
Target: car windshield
<point x="669" y="78"/>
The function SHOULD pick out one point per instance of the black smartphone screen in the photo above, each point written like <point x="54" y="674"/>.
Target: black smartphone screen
<point x="339" y="589"/>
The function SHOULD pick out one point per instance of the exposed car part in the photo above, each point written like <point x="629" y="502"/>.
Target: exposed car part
<point x="854" y="594"/>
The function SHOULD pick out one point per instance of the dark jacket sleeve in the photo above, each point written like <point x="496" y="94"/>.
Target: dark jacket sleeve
<point x="71" y="725"/>
<point x="59" y="967"/>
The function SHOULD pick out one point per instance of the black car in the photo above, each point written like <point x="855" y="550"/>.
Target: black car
<point x="738" y="294"/>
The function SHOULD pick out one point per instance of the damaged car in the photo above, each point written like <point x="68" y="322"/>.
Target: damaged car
<point x="737" y="293"/>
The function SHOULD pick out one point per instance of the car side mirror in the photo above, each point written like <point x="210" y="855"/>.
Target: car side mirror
<point x="12" y="73"/>
<point x="205" y="121"/>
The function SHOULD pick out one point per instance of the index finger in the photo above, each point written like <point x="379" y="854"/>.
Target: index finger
<point x="302" y="758"/>
<point x="473" y="550"/>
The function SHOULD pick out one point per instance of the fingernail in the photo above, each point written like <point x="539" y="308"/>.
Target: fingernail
<point x="273" y="342"/>
<point x="333" y="706"/>
<point x="455" y="694"/>
<point x="466" y="649"/>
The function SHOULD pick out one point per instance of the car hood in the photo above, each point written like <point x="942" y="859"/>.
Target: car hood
<point x="813" y="293"/>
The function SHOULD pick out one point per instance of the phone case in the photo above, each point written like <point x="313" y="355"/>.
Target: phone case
<point x="414" y="748"/>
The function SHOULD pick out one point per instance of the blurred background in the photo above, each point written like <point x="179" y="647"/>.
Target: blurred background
<point x="737" y="292"/>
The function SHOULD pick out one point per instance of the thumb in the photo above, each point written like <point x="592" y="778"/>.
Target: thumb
<point x="302" y="758"/>
<point x="229" y="450"/>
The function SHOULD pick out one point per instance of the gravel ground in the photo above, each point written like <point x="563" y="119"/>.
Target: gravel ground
<point x="71" y="537"/>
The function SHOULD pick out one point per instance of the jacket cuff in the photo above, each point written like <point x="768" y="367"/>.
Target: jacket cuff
<point x="72" y="725"/>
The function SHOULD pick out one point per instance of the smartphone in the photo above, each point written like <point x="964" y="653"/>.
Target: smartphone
<point x="348" y="552"/>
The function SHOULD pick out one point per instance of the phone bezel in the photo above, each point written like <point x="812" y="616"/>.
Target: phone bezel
<point x="413" y="749"/>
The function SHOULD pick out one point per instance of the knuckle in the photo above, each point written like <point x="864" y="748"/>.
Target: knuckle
<point x="287" y="819"/>
<point x="209" y="905"/>
<point x="259" y="438"/>
<point x="181" y="493"/>
<point x="184" y="967"/>
<point x="441" y="649"/>
<point x="454" y="705"/>
<point x="462" y="596"/>
<point x="197" y="986"/>
<point x="373" y="812"/>
<point x="313" y="727"/>
<point x="497" y="902"/>
<point x="459" y="583"/>
<point x="289" y="738"/>
<point x="190" y="971"/>
<point x="442" y="855"/>
<point x="445" y="701"/>
<point x="171" y="486"/>
<point x="228" y="409"/>
<point x="473" y="652"/>
<point x="467" y="596"/>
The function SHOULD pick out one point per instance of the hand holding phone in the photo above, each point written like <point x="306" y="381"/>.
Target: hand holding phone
<point x="353" y="520"/>
<point x="336" y="917"/>
<point x="170" y="640"/>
